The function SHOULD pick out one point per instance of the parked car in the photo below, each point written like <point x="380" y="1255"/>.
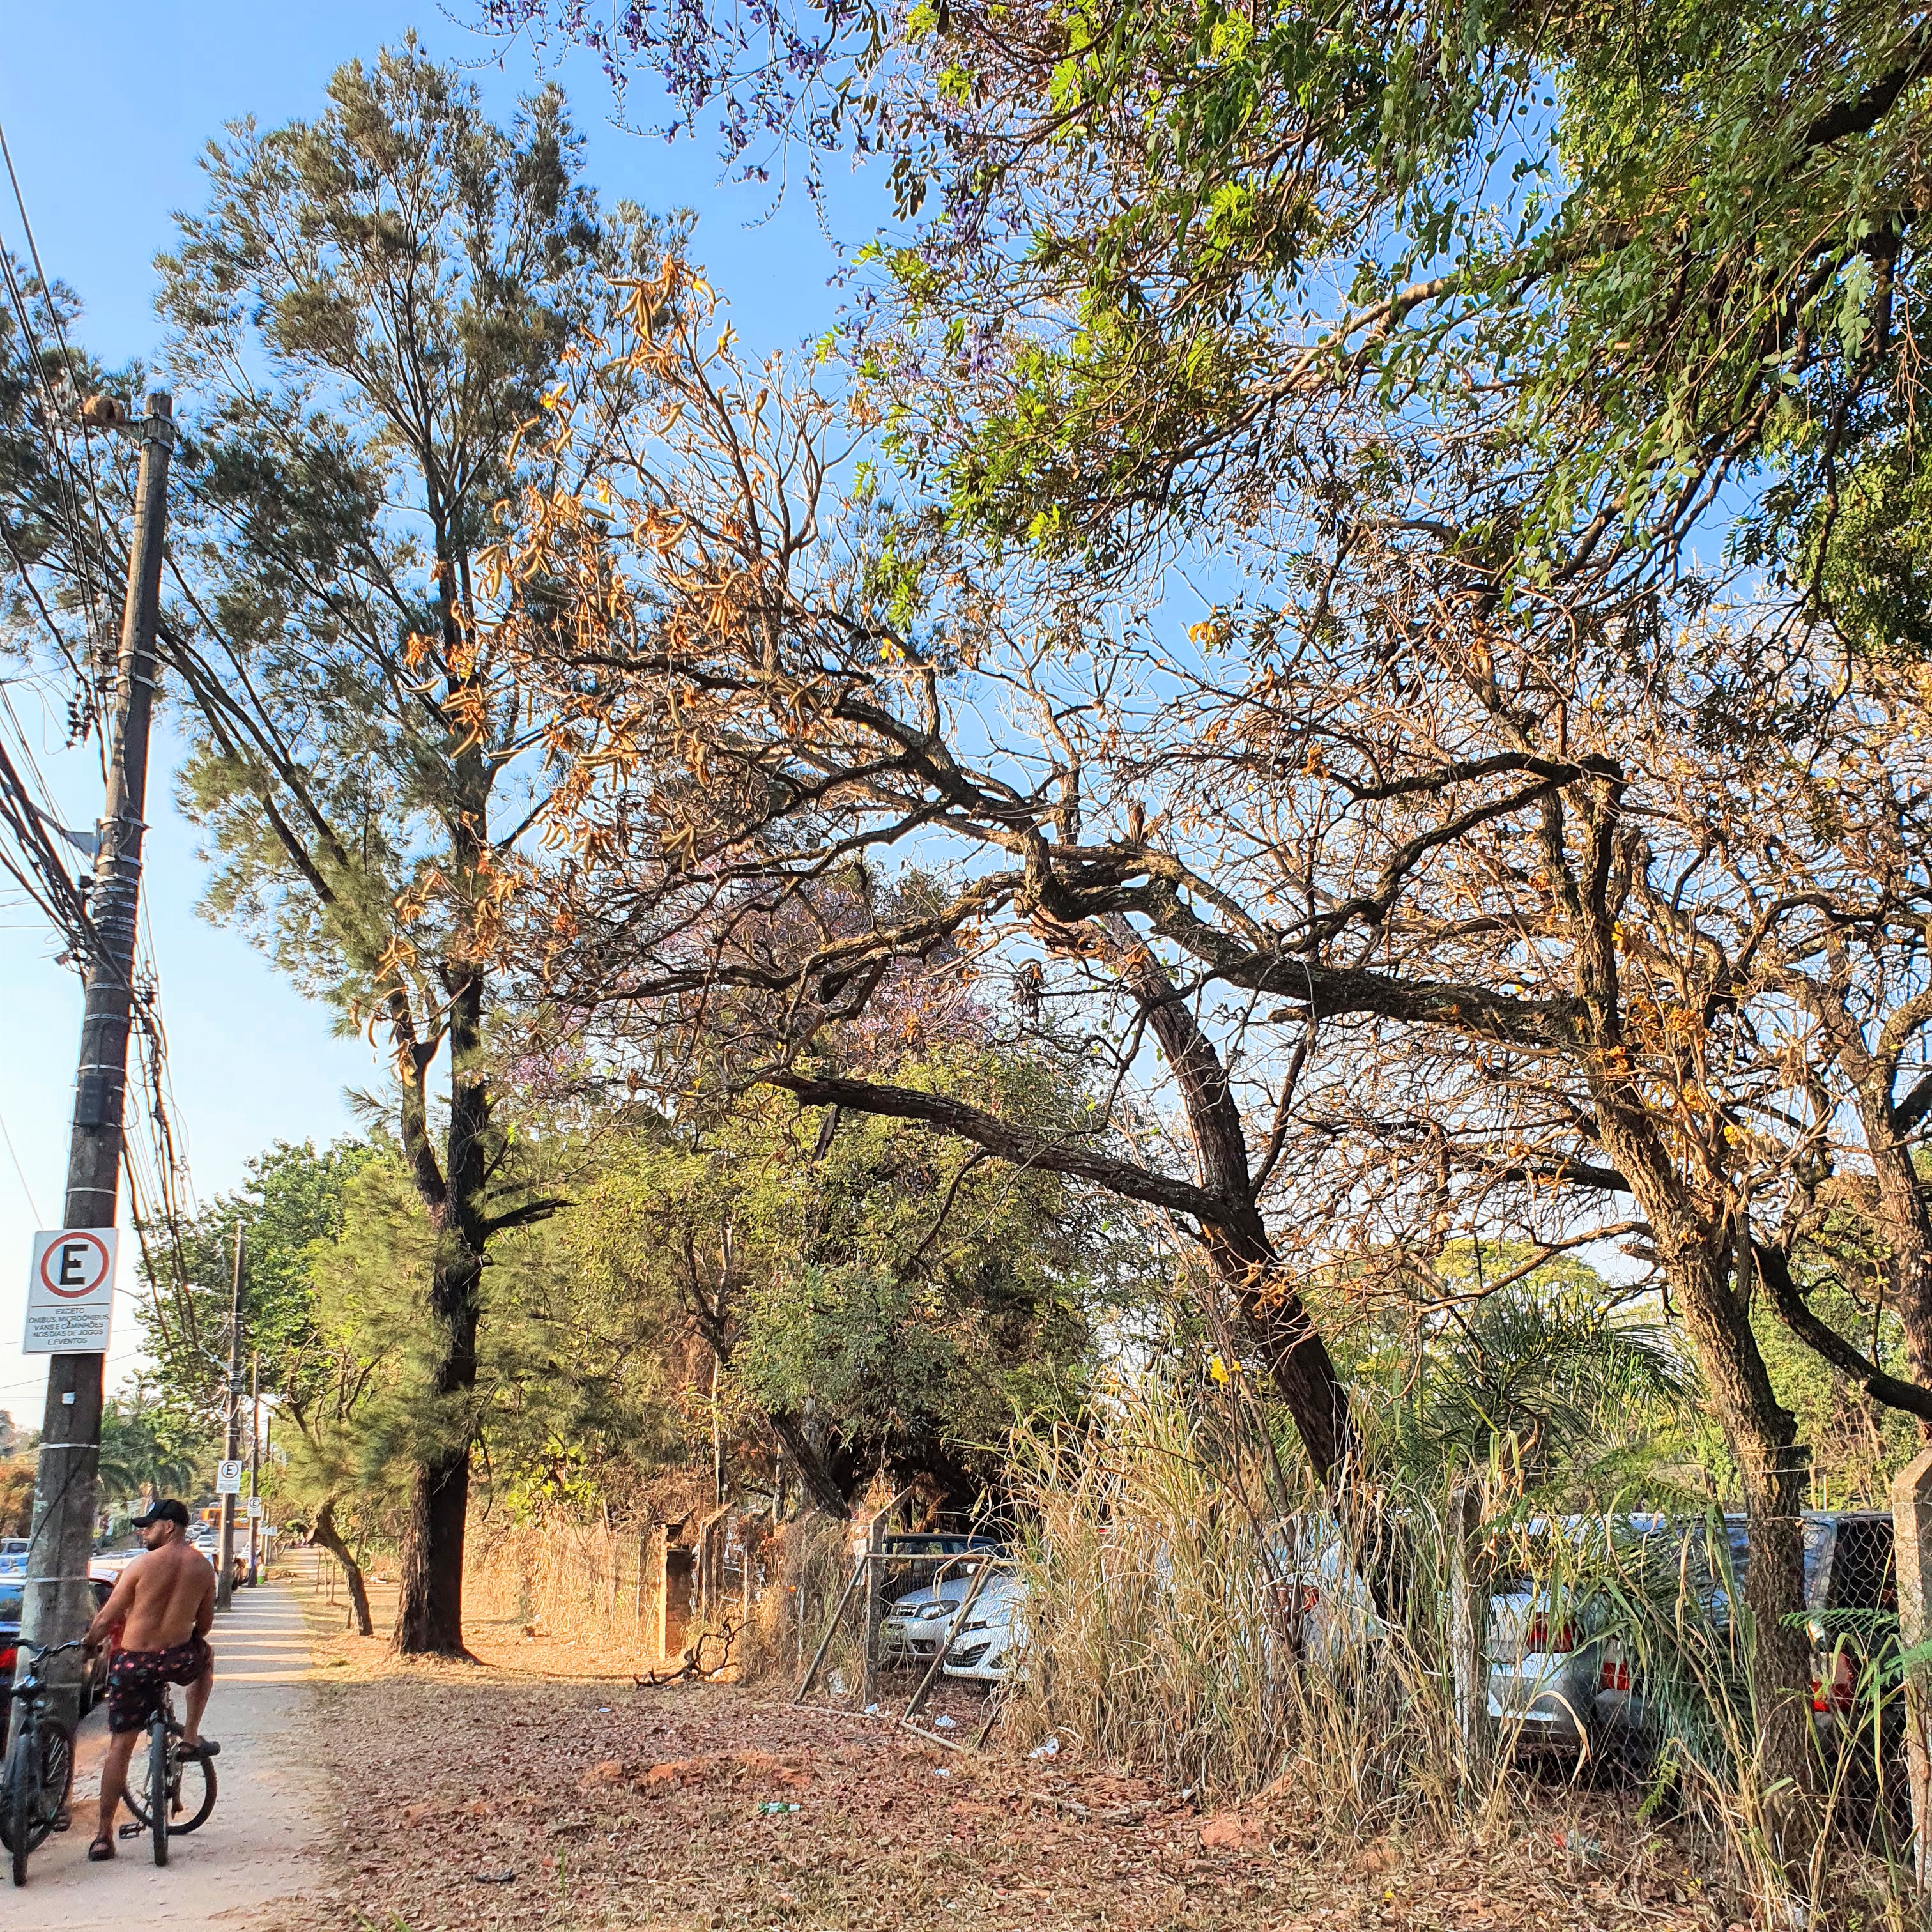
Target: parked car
<point x="1561" y="1681"/>
<point x="918" y="1625"/>
<point x="916" y="1545"/>
<point x="991" y="1646"/>
<point x="94" y="1667"/>
<point x="1327" y="1608"/>
<point x="207" y="1540"/>
<point x="1851" y="1600"/>
<point x="1542" y="1640"/>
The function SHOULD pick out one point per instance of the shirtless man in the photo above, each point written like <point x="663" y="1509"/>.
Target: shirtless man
<point x="166" y="1601"/>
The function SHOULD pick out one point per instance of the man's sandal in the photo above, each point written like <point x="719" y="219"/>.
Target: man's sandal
<point x="100" y="1851"/>
<point x="207" y="1748"/>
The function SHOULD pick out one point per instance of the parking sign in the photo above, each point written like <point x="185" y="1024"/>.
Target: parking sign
<point x="70" y="1292"/>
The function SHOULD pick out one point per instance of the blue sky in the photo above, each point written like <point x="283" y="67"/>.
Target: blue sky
<point x="106" y="108"/>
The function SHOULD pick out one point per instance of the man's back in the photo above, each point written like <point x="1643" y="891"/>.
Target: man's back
<point x="171" y="1585"/>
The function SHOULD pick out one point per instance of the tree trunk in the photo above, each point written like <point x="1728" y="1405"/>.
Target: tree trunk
<point x="1772" y="1467"/>
<point x="1299" y="1364"/>
<point x="429" y="1614"/>
<point x="326" y="1534"/>
<point x="1901" y="1207"/>
<point x="1907" y="1226"/>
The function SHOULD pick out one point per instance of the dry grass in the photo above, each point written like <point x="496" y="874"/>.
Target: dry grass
<point x="529" y="1791"/>
<point x="1209" y="1770"/>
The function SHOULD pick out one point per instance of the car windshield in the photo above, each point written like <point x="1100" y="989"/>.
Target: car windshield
<point x="10" y="1604"/>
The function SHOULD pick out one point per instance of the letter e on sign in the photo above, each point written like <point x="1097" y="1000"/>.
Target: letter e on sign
<point x="70" y="1291"/>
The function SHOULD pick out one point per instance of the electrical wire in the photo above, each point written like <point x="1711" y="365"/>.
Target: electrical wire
<point x="89" y="545"/>
<point x="14" y="1157"/>
<point x="161" y="1191"/>
<point x="60" y="334"/>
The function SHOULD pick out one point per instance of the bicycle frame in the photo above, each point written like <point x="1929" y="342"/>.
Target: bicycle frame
<point x="158" y="1807"/>
<point x="28" y="1807"/>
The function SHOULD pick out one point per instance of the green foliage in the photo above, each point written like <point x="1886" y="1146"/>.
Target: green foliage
<point x="1632" y="255"/>
<point x="365" y="316"/>
<point x="149" y="1448"/>
<point x="366" y="1422"/>
<point x="293" y="1197"/>
<point x="583" y="1392"/>
<point x="17" y="1480"/>
<point x="905" y="1295"/>
<point x="575" y="1400"/>
<point x="1856" y="1444"/>
<point x="1549" y="1382"/>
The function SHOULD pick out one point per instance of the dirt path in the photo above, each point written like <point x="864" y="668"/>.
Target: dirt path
<point x="263" y="1847"/>
<point x="540" y="1789"/>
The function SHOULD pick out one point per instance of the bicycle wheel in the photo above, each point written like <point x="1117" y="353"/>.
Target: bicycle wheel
<point x="157" y="1789"/>
<point x="56" y="1777"/>
<point x="15" y="1821"/>
<point x="192" y="1797"/>
<point x="191" y="1794"/>
<point x="33" y="1788"/>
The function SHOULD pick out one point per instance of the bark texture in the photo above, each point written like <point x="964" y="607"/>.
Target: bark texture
<point x="326" y="1534"/>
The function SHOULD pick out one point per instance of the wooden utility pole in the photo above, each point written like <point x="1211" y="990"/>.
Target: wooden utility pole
<point x="58" y="1605"/>
<point x="224" y="1580"/>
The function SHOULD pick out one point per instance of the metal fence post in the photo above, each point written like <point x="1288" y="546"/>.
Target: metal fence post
<point x="875" y="1551"/>
<point x="1911" y="1543"/>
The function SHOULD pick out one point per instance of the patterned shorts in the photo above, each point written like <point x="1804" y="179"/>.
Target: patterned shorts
<point x="135" y="1678"/>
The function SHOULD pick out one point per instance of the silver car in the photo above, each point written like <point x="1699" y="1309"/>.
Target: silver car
<point x="1544" y="1640"/>
<point x="991" y="1646"/>
<point x="1544" y="1667"/>
<point x="915" y="1628"/>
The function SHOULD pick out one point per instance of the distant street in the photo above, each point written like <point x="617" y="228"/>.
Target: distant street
<point x="264" y="1841"/>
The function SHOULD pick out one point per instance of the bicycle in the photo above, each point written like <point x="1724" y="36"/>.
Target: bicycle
<point x="177" y="1801"/>
<point x="39" y="1768"/>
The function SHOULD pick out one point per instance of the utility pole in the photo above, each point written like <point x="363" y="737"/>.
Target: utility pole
<point x="254" y="1466"/>
<point x="224" y="1579"/>
<point x="58" y="1605"/>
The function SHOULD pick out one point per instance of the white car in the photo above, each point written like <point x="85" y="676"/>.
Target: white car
<point x="991" y="1646"/>
<point x="1324" y="1602"/>
<point x="917" y="1627"/>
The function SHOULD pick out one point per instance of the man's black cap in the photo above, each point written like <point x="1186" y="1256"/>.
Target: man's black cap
<point x="167" y="1511"/>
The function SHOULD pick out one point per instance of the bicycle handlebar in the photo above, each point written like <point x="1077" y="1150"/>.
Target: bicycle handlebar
<point x="42" y="1651"/>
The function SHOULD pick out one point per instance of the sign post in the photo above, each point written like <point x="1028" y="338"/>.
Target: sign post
<point x="70" y="1292"/>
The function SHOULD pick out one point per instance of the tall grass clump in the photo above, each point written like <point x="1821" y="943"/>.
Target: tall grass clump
<point x="1189" y="1615"/>
<point x="1181" y="1620"/>
<point x="1836" y="1852"/>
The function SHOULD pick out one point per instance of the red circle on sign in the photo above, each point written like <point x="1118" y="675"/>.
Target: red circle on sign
<point x="53" y="1248"/>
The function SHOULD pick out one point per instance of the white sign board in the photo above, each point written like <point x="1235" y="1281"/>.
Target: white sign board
<point x="228" y="1479"/>
<point x="254" y="1505"/>
<point x="70" y="1292"/>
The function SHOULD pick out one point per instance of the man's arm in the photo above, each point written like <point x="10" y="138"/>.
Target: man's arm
<point x="204" y="1616"/>
<point x="120" y="1601"/>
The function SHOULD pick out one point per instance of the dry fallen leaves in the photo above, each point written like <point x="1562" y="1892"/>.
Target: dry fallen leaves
<point x="493" y="1799"/>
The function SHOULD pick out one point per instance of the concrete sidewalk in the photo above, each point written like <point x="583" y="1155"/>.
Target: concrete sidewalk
<point x="264" y="1839"/>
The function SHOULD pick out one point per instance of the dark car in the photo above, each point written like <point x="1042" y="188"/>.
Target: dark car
<point x="1851" y="1602"/>
<point x="93" y="1676"/>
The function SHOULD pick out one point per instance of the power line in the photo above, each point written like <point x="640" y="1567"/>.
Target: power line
<point x="4" y="1135"/>
<point x="53" y="316"/>
<point x="54" y="427"/>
